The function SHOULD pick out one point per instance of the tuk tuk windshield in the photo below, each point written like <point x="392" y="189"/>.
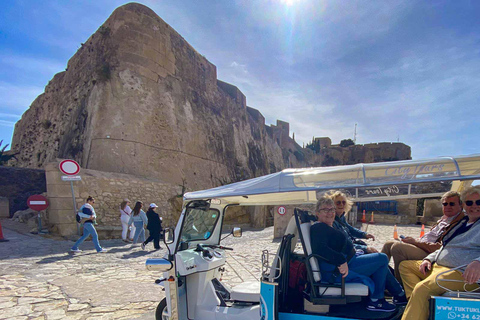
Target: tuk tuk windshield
<point x="199" y="224"/>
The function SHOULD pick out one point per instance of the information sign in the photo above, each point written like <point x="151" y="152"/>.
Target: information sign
<point x="71" y="178"/>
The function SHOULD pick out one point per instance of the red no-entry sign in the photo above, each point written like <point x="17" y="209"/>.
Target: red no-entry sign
<point x="37" y="202"/>
<point x="69" y="167"/>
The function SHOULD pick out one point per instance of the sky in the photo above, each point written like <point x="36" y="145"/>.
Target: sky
<point x="405" y="71"/>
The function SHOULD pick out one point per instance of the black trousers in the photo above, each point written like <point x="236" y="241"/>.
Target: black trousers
<point x="155" y="236"/>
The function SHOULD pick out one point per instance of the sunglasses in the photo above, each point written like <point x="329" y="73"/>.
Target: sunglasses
<point x="341" y="202"/>
<point x="470" y="202"/>
<point x="452" y="204"/>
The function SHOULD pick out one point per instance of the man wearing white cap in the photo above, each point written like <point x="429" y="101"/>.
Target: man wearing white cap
<point x="154" y="227"/>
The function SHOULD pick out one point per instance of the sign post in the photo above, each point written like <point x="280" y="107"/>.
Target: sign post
<point x="71" y="168"/>
<point x="38" y="203"/>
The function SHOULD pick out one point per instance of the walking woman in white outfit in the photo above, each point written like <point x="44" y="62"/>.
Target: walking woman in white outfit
<point x="125" y="212"/>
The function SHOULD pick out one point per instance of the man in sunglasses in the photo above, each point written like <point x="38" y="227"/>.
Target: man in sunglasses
<point x="460" y="247"/>
<point x="416" y="249"/>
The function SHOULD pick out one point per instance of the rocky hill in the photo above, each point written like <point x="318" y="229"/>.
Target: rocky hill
<point x="136" y="98"/>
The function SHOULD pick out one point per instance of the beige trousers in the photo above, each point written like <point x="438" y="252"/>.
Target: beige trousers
<point x="419" y="288"/>
<point x="401" y="251"/>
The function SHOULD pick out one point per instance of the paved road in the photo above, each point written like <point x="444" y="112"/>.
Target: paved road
<point x="40" y="279"/>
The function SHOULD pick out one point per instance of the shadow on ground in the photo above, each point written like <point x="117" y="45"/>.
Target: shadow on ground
<point x="136" y="254"/>
<point x="27" y="245"/>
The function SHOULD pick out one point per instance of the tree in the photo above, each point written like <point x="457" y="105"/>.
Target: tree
<point x="5" y="157"/>
<point x="346" y="142"/>
<point x="314" y="145"/>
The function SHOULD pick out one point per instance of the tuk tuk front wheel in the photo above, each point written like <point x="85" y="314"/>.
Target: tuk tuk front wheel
<point x="161" y="312"/>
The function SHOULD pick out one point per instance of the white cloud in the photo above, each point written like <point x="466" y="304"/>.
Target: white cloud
<point x="32" y="64"/>
<point x="7" y="123"/>
<point x="10" y="115"/>
<point x="240" y="67"/>
<point x="18" y="98"/>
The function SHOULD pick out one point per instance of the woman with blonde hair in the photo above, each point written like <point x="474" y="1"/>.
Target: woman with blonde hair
<point x="343" y="205"/>
<point x="125" y="212"/>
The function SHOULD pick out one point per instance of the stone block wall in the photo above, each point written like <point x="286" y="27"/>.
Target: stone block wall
<point x="109" y="189"/>
<point x="237" y="217"/>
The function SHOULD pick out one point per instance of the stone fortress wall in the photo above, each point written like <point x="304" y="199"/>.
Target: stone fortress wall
<point x="137" y="103"/>
<point x="137" y="99"/>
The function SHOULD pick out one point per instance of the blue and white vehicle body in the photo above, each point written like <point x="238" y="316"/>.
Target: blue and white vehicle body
<point x="192" y="270"/>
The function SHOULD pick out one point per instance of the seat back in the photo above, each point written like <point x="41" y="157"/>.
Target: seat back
<point x="305" y="229"/>
<point x="327" y="293"/>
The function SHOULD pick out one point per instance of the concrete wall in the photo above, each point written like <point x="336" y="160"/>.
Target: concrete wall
<point x="109" y="189"/>
<point x="281" y="221"/>
<point x="4" y="209"/>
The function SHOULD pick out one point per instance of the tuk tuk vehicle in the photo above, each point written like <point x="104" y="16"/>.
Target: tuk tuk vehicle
<point x="196" y="258"/>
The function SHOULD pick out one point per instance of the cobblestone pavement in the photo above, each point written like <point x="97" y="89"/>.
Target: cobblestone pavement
<point x="40" y="279"/>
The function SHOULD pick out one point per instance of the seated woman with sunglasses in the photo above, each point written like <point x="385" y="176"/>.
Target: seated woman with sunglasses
<point x="341" y="260"/>
<point x="343" y="205"/>
<point x="461" y="246"/>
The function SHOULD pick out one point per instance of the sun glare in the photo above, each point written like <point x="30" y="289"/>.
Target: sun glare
<point x="289" y="2"/>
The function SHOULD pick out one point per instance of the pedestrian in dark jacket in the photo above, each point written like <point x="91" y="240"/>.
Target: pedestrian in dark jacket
<point x="154" y="226"/>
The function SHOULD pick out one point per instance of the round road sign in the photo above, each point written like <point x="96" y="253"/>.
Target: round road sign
<point x="37" y="202"/>
<point x="69" y="167"/>
<point x="281" y="210"/>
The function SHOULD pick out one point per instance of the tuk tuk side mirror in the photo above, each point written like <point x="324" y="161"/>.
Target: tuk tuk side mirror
<point x="168" y="235"/>
<point x="237" y="232"/>
<point x="158" y="265"/>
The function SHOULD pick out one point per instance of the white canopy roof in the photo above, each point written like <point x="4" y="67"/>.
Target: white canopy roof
<point x="292" y="186"/>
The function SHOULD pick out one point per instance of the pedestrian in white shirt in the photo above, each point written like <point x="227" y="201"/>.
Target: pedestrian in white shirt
<point x="125" y="212"/>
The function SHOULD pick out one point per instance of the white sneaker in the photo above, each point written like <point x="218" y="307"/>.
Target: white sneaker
<point x="143" y="246"/>
<point x="76" y="250"/>
<point x="103" y="250"/>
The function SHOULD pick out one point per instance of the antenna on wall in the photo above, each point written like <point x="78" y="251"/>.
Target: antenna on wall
<point x="355" y="134"/>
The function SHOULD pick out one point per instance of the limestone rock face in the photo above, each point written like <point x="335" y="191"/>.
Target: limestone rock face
<point x="136" y="98"/>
